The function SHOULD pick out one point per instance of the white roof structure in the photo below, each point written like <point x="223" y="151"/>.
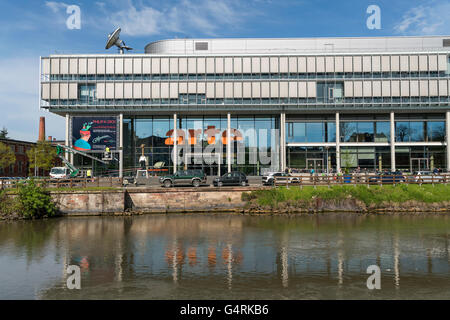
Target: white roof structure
<point x="297" y="45"/>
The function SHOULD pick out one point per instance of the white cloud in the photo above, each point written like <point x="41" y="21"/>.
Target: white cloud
<point x="185" y="16"/>
<point x="56" y="6"/>
<point x="425" y="20"/>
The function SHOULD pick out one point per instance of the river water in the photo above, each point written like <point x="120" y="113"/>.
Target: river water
<point x="227" y="257"/>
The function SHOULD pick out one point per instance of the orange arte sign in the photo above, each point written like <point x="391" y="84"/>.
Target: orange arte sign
<point x="210" y="132"/>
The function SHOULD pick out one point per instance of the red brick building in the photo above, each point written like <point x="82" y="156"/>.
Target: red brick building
<point x="20" y="168"/>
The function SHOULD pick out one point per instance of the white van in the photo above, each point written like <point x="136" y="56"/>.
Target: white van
<point x="59" y="173"/>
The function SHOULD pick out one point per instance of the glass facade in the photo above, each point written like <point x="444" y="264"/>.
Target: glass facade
<point x="412" y="159"/>
<point x="367" y="158"/>
<point x="310" y="132"/>
<point x="201" y="143"/>
<point x="419" y="131"/>
<point x="303" y="159"/>
<point x="365" y="131"/>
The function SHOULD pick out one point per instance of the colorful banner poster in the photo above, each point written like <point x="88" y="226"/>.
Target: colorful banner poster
<point x="94" y="133"/>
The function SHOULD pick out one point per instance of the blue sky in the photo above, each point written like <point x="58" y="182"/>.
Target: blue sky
<point x="30" y="29"/>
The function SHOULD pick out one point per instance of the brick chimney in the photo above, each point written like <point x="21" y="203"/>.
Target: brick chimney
<point x="41" y="129"/>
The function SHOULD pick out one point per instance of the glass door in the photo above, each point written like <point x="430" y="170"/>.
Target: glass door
<point x="316" y="164"/>
<point x="419" y="164"/>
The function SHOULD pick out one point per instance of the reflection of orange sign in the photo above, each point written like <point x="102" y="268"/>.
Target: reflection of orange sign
<point x="192" y="256"/>
<point x="235" y="257"/>
<point x="212" y="256"/>
<point x="179" y="256"/>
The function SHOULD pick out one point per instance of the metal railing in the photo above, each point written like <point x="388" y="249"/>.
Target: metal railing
<point x="359" y="179"/>
<point x="65" y="183"/>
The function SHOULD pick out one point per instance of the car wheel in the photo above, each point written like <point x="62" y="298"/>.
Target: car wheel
<point x="196" y="183"/>
<point x="167" y="183"/>
<point x="220" y="184"/>
<point x="243" y="183"/>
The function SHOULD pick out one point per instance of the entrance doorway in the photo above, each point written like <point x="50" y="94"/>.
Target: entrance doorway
<point x="316" y="164"/>
<point x="419" y="164"/>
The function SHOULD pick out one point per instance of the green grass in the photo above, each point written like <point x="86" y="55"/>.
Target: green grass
<point x="372" y="195"/>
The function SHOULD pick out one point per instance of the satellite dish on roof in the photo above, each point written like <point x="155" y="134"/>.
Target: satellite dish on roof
<point x="114" y="40"/>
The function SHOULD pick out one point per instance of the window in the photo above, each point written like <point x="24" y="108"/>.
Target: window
<point x="435" y="130"/>
<point x="87" y="93"/>
<point x="201" y="46"/>
<point x="383" y="131"/>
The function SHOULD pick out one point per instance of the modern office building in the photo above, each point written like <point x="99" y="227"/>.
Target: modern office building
<point x="332" y="103"/>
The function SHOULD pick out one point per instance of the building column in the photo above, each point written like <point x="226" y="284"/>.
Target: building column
<point x="447" y="138"/>
<point x="66" y="154"/>
<point x="121" y="145"/>
<point x="338" y="143"/>
<point x="283" y="141"/>
<point x="175" y="138"/>
<point x="392" y="140"/>
<point x="229" y="141"/>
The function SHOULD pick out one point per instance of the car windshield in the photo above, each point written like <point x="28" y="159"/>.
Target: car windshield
<point x="58" y="171"/>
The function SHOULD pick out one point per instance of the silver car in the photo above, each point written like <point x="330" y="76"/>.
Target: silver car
<point x="425" y="177"/>
<point x="269" y="179"/>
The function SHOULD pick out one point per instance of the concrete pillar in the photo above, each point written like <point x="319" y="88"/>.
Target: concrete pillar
<point x="66" y="155"/>
<point x="175" y="138"/>
<point x="392" y="140"/>
<point x="229" y="141"/>
<point x="447" y="138"/>
<point x="121" y="145"/>
<point x="338" y="142"/>
<point x="283" y="141"/>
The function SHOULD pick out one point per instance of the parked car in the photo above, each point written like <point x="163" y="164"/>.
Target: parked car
<point x="269" y="179"/>
<point x="234" y="178"/>
<point x="425" y="177"/>
<point x="388" y="177"/>
<point x="184" y="177"/>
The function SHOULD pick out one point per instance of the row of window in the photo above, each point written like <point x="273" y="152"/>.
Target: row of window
<point x="275" y="76"/>
<point x="365" y="131"/>
<point x="202" y="100"/>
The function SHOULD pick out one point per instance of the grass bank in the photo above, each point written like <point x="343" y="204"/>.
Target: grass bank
<point x="351" y="198"/>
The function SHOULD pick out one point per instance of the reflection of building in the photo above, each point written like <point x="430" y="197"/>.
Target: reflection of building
<point x="372" y="99"/>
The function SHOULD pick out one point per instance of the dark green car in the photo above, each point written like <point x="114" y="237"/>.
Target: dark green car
<point x="185" y="177"/>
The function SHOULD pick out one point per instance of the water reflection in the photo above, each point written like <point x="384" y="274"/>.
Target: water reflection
<point x="225" y="256"/>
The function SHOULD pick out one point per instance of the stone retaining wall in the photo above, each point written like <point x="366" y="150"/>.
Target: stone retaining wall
<point x="150" y="200"/>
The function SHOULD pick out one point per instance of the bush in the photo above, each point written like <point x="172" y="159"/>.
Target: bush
<point x="34" y="202"/>
<point x="7" y="204"/>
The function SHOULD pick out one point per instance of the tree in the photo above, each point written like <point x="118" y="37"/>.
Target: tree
<point x="403" y="132"/>
<point x="4" y="133"/>
<point x="7" y="156"/>
<point x="42" y="156"/>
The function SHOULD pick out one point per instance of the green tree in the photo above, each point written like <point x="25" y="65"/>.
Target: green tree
<point x="347" y="160"/>
<point x="4" y="133"/>
<point x="7" y="156"/>
<point x="42" y="156"/>
<point x="35" y="202"/>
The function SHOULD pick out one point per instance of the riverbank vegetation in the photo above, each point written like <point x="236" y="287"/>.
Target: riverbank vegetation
<point x="29" y="202"/>
<point x="360" y="198"/>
